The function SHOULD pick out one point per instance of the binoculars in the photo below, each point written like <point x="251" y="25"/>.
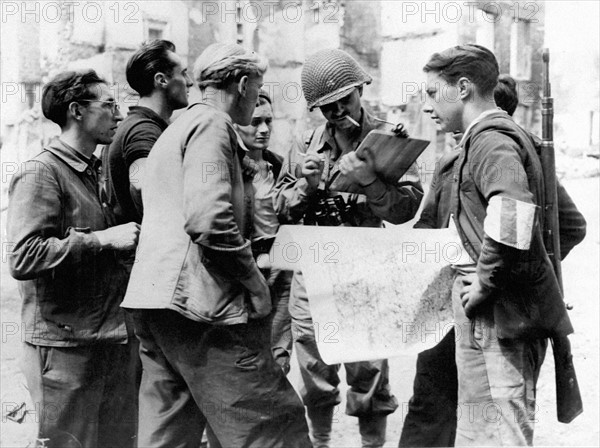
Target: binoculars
<point x="330" y="211"/>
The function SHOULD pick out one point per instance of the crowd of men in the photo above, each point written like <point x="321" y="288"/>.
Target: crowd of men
<point x="150" y="323"/>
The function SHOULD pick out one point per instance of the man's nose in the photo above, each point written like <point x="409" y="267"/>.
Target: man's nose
<point x="117" y="116"/>
<point x="427" y="108"/>
<point x="263" y="128"/>
<point x="188" y="81"/>
<point x="337" y="108"/>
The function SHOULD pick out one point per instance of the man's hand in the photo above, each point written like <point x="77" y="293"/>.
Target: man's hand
<point x="358" y="170"/>
<point x="123" y="237"/>
<point x="312" y="168"/>
<point x="258" y="294"/>
<point x="473" y="294"/>
<point x="249" y="167"/>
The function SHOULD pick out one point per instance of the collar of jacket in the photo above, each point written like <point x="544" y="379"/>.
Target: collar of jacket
<point x="327" y="141"/>
<point x="240" y="142"/>
<point x="275" y="160"/>
<point x="71" y="156"/>
<point x="492" y="113"/>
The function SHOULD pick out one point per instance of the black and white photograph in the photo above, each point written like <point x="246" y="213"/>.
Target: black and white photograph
<point x="299" y="223"/>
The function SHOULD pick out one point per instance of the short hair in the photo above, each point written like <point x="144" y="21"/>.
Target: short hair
<point x="65" y="88"/>
<point x="150" y="59"/>
<point x="472" y="61"/>
<point x="220" y="65"/>
<point x="506" y="95"/>
<point x="264" y="98"/>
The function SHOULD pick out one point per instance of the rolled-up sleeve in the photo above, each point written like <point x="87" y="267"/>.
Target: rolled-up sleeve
<point x="291" y="197"/>
<point x="33" y="225"/>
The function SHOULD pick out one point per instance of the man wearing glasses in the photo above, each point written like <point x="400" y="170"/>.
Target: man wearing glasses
<point x="67" y="255"/>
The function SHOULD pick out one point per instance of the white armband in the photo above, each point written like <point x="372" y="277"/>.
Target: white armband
<point x="510" y="221"/>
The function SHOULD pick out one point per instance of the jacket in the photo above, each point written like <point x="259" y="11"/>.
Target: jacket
<point x="496" y="203"/>
<point x="375" y="202"/>
<point x="194" y="250"/>
<point x="436" y="208"/>
<point x="275" y="160"/>
<point x="71" y="289"/>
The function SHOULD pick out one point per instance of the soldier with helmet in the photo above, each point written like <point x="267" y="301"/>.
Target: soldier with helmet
<point x="333" y="81"/>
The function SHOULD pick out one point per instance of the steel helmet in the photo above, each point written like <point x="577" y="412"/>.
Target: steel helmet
<point x="329" y="75"/>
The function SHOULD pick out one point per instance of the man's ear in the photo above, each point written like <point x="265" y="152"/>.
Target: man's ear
<point x="74" y="110"/>
<point x="465" y="88"/>
<point x="242" y="85"/>
<point x="160" y="80"/>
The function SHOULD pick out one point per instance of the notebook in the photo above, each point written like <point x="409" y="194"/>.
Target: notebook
<point x="393" y="157"/>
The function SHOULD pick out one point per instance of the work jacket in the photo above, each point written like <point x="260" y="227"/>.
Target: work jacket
<point x="71" y="289"/>
<point x="497" y="205"/>
<point x="437" y="203"/>
<point x="194" y="251"/>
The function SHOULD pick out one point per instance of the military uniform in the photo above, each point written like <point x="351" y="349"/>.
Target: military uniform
<point x="332" y="80"/>
<point x="369" y="395"/>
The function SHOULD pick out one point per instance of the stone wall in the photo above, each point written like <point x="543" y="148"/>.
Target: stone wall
<point x="414" y="31"/>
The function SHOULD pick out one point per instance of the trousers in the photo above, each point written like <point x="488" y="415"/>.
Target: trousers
<point x="281" y="323"/>
<point x="496" y="381"/>
<point x="84" y="396"/>
<point x="224" y="377"/>
<point x="431" y="417"/>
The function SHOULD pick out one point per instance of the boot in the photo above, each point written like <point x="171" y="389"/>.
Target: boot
<point x="320" y="419"/>
<point x="372" y="430"/>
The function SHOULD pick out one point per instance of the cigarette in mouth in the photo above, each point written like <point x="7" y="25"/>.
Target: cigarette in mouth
<point x="351" y="120"/>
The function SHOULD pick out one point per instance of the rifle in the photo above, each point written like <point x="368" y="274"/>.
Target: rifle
<point x="568" y="397"/>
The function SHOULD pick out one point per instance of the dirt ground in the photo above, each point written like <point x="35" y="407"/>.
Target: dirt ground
<point x="581" y="273"/>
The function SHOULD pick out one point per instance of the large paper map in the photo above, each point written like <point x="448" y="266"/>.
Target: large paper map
<point x="373" y="293"/>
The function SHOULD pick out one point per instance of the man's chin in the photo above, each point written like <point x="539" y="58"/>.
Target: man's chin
<point x="341" y="124"/>
<point x="261" y="145"/>
<point x="182" y="105"/>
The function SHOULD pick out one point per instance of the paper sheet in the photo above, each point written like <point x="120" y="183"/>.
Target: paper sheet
<point x="373" y="293"/>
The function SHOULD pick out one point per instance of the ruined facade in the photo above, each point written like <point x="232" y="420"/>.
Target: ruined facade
<point x="391" y="39"/>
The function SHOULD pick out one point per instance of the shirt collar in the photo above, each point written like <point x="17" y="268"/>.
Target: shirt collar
<point x="71" y="156"/>
<point x="477" y="120"/>
<point x="241" y="143"/>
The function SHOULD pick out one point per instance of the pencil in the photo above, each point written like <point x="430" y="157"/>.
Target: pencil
<point x="304" y="154"/>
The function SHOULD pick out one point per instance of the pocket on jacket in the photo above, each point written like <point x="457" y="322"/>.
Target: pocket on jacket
<point x="204" y="293"/>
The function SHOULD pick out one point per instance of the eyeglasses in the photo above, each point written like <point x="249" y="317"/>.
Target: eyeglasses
<point x="114" y="107"/>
